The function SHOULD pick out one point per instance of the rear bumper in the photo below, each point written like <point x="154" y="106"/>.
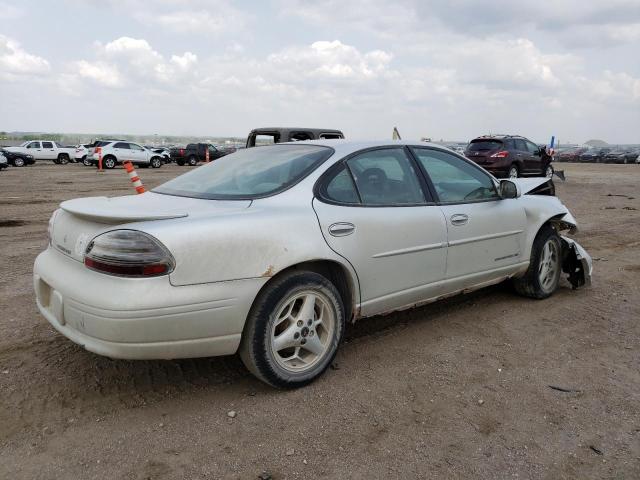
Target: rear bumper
<point x="141" y="318"/>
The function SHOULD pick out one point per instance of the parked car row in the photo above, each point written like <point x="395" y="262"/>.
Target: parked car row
<point x="599" y="155"/>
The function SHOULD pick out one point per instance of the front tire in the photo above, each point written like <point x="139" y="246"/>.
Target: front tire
<point x="156" y="162"/>
<point x="548" y="171"/>
<point x="293" y="330"/>
<point x="109" y="162"/>
<point x="63" y="159"/>
<point x="543" y="275"/>
<point x="193" y="161"/>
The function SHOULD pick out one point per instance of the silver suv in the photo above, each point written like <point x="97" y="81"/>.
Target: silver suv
<point x="114" y="152"/>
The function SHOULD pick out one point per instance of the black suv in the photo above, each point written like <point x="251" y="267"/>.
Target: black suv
<point x="265" y="136"/>
<point x="510" y="156"/>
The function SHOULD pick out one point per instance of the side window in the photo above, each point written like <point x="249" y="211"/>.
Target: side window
<point x="133" y="146"/>
<point x="386" y="177"/>
<point x="341" y="188"/>
<point x="520" y="145"/>
<point x="300" y="136"/>
<point x="532" y="147"/>
<point x="212" y="149"/>
<point x="34" y="145"/>
<point x="508" y="144"/>
<point x="47" y="145"/>
<point x="122" y="145"/>
<point x="329" y="136"/>
<point x="454" y="179"/>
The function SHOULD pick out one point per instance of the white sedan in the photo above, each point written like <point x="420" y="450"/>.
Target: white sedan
<point x="269" y="251"/>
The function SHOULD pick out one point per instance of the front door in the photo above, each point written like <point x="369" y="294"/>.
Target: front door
<point x="485" y="233"/>
<point x="376" y="212"/>
<point x="534" y="160"/>
<point x="35" y="149"/>
<point x="138" y="154"/>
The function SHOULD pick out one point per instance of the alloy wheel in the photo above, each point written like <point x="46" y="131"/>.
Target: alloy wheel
<point x="302" y="331"/>
<point x="549" y="265"/>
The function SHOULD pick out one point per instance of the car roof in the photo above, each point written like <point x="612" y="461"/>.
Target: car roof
<point x="288" y="129"/>
<point x="344" y="147"/>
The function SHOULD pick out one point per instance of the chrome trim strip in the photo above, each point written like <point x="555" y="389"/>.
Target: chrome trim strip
<point x="419" y="248"/>
<point x="484" y="237"/>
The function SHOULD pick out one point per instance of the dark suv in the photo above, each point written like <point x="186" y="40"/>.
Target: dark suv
<point x="510" y="156"/>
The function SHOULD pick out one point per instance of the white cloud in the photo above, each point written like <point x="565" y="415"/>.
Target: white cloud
<point x="99" y="72"/>
<point x="15" y="61"/>
<point x="132" y="62"/>
<point x="329" y="59"/>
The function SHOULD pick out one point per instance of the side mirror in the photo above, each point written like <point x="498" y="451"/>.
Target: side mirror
<point x="509" y="189"/>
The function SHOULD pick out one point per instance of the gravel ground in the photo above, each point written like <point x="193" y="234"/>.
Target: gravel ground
<point x="456" y="389"/>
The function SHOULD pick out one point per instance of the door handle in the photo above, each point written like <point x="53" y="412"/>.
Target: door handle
<point x="342" y="229"/>
<point x="459" y="219"/>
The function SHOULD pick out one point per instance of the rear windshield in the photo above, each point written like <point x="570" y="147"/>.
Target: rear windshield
<point x="479" y="145"/>
<point x="249" y="173"/>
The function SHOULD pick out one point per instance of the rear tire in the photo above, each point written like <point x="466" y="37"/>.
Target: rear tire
<point x="293" y="330"/>
<point x="514" y="171"/>
<point x="180" y="162"/>
<point x="543" y="275"/>
<point x="18" y="162"/>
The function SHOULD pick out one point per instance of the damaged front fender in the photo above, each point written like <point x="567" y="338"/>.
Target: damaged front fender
<point x="576" y="262"/>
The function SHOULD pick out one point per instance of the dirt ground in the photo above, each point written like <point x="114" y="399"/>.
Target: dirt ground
<point x="457" y="389"/>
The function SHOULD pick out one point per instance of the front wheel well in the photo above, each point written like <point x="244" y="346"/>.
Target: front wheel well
<point x="336" y="274"/>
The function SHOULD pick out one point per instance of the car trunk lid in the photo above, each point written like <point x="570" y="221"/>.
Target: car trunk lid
<point x="78" y="221"/>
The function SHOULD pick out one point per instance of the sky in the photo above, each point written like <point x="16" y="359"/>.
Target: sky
<point x="451" y="69"/>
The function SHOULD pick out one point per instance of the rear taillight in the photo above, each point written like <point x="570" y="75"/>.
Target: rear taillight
<point x="182" y="152"/>
<point x="128" y="253"/>
<point x="500" y="154"/>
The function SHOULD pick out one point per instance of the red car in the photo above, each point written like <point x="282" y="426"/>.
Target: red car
<point x="510" y="156"/>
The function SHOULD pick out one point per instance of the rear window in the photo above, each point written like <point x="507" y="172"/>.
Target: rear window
<point x="480" y="145"/>
<point x="249" y="173"/>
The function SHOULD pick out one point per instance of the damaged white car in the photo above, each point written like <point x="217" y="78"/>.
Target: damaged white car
<point x="269" y="251"/>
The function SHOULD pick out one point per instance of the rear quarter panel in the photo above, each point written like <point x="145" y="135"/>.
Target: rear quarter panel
<point x="257" y="242"/>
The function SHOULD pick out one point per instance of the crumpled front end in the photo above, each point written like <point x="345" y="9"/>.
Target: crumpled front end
<point x="576" y="263"/>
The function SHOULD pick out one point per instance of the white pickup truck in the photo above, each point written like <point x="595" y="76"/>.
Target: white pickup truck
<point x="45" y="150"/>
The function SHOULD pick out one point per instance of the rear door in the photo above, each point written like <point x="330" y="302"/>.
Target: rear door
<point x="122" y="151"/>
<point x="375" y="211"/>
<point x="48" y="151"/>
<point x="485" y="233"/>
